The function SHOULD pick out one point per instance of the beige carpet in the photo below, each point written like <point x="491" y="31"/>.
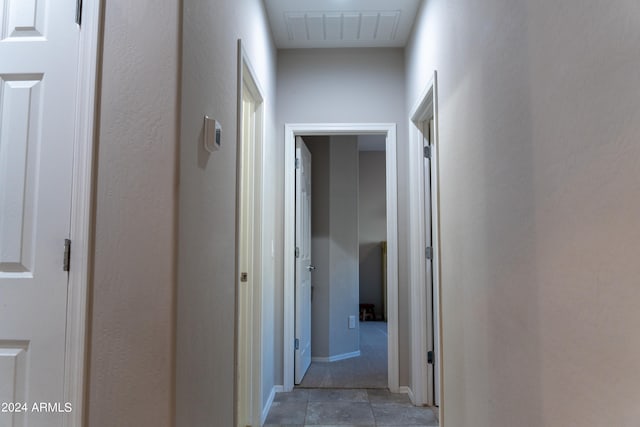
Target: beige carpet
<point x="367" y="371"/>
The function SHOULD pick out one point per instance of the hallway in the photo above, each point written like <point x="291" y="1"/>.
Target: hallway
<point x="367" y="371"/>
<point x="537" y="151"/>
<point x="351" y="407"/>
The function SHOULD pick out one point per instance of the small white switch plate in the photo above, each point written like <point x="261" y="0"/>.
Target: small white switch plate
<point x="212" y="134"/>
<point x="352" y="322"/>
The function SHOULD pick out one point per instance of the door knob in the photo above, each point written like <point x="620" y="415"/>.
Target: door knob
<point x="311" y="267"/>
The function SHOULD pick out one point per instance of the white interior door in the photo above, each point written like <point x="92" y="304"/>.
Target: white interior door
<point x="303" y="260"/>
<point x="38" y="76"/>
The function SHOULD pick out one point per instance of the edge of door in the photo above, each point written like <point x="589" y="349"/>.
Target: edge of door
<point x="82" y="213"/>
<point x="426" y="101"/>
<point x="301" y="129"/>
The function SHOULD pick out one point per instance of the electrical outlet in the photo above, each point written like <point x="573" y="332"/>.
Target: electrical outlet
<point x="352" y="322"/>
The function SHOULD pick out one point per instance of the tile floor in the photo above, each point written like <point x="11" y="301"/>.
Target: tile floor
<point x="347" y="407"/>
<point x="367" y="371"/>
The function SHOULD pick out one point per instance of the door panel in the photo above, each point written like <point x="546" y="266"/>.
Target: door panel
<point x="303" y="260"/>
<point x="38" y="77"/>
<point x="19" y="123"/>
<point x="22" y="18"/>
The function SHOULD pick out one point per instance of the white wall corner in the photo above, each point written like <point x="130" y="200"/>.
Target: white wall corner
<point x="267" y="405"/>
<point x="337" y="357"/>
<point x="407" y="390"/>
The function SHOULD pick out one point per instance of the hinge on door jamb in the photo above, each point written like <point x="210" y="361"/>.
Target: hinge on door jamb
<point x="66" y="261"/>
<point x="297" y="344"/>
<point x="428" y="252"/>
<point x="297" y="252"/>
<point x="427" y="151"/>
<point x="78" y="12"/>
<point x="297" y="163"/>
<point x="430" y="357"/>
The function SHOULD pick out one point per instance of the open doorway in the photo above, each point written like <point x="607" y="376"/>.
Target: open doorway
<point x="344" y="267"/>
<point x="340" y="333"/>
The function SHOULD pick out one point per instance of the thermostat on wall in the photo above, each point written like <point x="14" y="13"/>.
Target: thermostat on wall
<point x="212" y="134"/>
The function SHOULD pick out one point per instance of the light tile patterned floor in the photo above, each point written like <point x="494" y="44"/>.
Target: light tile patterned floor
<point x="347" y="407"/>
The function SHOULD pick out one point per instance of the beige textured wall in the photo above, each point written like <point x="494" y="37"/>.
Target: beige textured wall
<point x="207" y="208"/>
<point x="540" y="191"/>
<point x="131" y="347"/>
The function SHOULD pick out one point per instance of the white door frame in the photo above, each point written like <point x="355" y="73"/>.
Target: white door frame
<point x="81" y="212"/>
<point x="425" y="108"/>
<point x="291" y="131"/>
<point x="248" y="375"/>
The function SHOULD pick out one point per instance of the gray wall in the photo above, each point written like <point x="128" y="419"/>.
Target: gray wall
<point x="319" y="148"/>
<point x="352" y="85"/>
<point x="334" y="244"/>
<point x="372" y="225"/>
<point x="132" y="323"/>
<point x="540" y="206"/>
<point x="207" y="208"/>
<point x="343" y="249"/>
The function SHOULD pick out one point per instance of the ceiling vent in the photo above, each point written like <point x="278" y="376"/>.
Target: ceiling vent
<point x="342" y="26"/>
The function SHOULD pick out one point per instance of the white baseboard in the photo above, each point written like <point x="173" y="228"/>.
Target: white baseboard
<point x="269" y="402"/>
<point x="337" y="357"/>
<point x="407" y="390"/>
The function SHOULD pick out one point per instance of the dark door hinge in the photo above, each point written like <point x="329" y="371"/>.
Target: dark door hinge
<point x="428" y="252"/>
<point x="79" y="12"/>
<point x="297" y="163"/>
<point x="297" y="344"/>
<point x="430" y="357"/>
<point x="66" y="261"/>
<point x="427" y="151"/>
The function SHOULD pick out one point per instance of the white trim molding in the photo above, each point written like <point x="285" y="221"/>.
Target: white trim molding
<point x="269" y="402"/>
<point x="337" y="357"/>
<point x="81" y="213"/>
<point x="407" y="390"/>
<point x="308" y="129"/>
<point x="424" y="326"/>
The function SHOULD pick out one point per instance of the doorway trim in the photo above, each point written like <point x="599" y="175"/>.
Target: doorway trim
<point x="309" y="129"/>
<point x="249" y="251"/>
<point x="81" y="220"/>
<point x="425" y="108"/>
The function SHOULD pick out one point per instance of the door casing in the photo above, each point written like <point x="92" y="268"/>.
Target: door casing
<point x="250" y="253"/>
<point x="82" y="212"/>
<point x="425" y="109"/>
<point x="309" y="129"/>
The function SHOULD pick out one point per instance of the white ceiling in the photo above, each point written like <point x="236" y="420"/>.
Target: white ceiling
<point x="341" y="23"/>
